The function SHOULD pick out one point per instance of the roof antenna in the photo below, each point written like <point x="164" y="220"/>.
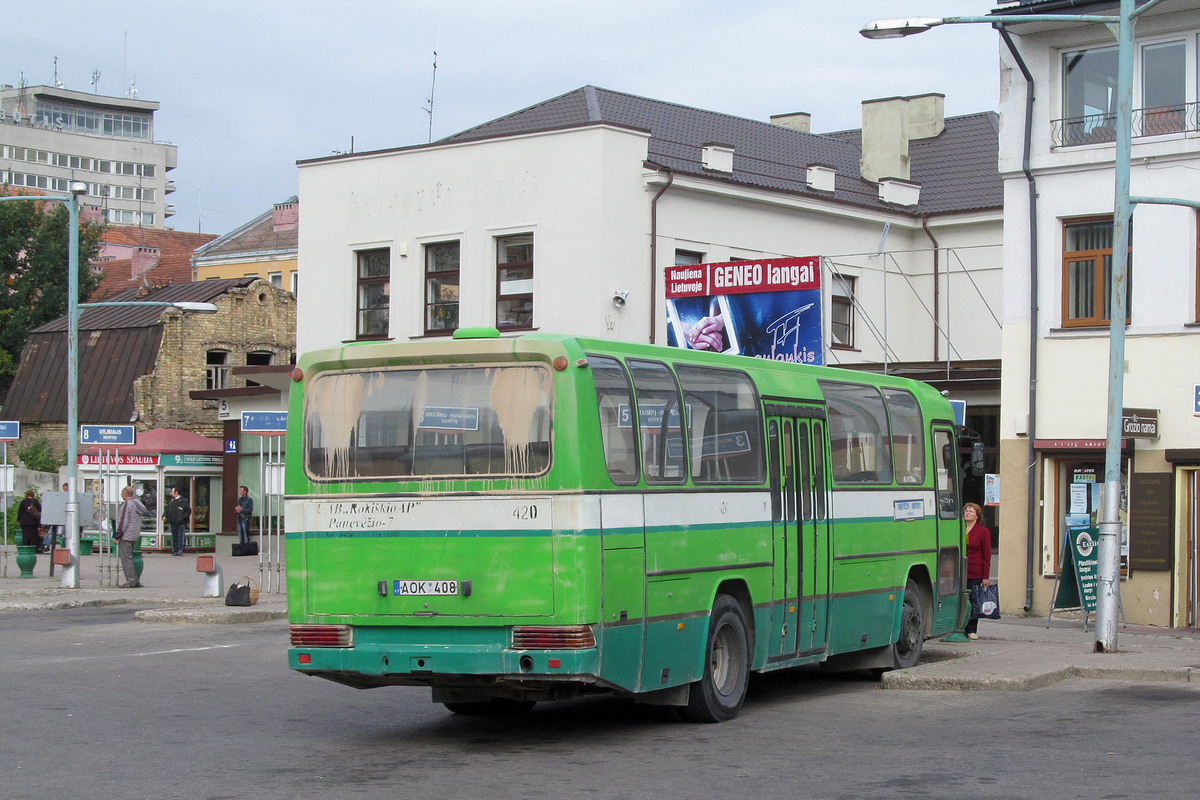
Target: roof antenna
<point x="432" y="86"/>
<point x="58" y="84"/>
<point x="95" y="80"/>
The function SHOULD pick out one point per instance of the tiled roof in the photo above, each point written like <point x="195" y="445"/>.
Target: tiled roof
<point x="257" y="236"/>
<point x="957" y="170"/>
<point x="117" y="275"/>
<point x="168" y="242"/>
<point x="174" y="265"/>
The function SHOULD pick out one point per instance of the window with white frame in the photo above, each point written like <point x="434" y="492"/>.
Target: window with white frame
<point x="217" y="369"/>
<point x="1161" y="93"/>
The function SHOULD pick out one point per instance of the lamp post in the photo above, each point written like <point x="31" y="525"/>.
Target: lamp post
<point x="1109" y="566"/>
<point x="70" y="574"/>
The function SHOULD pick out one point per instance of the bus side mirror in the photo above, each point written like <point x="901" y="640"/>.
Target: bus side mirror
<point x="977" y="459"/>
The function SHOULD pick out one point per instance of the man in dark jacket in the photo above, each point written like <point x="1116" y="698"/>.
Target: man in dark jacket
<point x="29" y="517"/>
<point x="177" y="516"/>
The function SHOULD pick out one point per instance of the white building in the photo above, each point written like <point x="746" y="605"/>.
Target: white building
<point x="50" y="136"/>
<point x="1056" y="335"/>
<point x="539" y="219"/>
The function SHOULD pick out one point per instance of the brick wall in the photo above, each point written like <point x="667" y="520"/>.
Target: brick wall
<point x="257" y="318"/>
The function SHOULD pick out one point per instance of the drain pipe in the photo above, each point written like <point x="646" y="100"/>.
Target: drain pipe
<point x="1031" y="519"/>
<point x="654" y="251"/>
<point x="937" y="293"/>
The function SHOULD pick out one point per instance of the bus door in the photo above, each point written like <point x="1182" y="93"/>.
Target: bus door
<point x="951" y="583"/>
<point x="799" y="514"/>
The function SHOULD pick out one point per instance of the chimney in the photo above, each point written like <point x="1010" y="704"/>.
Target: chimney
<point x="286" y="217"/>
<point x="142" y="260"/>
<point x="797" y="121"/>
<point x="889" y="124"/>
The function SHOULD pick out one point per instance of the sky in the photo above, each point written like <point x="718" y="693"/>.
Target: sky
<point x="249" y="87"/>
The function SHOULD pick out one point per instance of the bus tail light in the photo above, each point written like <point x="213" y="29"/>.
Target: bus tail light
<point x="321" y="636"/>
<point x="553" y="637"/>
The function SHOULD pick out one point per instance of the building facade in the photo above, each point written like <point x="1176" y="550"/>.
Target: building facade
<point x="564" y="217"/>
<point x="263" y="248"/>
<point x="1059" y="200"/>
<point x="50" y="136"/>
<point x="137" y="364"/>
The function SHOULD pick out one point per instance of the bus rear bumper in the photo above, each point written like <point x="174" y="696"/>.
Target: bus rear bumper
<point x="369" y="664"/>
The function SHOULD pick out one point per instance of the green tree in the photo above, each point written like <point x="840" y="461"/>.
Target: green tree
<point x="34" y="253"/>
<point x="39" y="456"/>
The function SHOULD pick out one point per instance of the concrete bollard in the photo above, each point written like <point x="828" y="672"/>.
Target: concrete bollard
<point x="214" y="581"/>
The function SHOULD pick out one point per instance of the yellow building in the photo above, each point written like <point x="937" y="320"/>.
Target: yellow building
<point x="263" y="248"/>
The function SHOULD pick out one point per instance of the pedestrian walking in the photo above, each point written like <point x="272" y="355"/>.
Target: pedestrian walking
<point x="244" y="509"/>
<point x="177" y="515"/>
<point x="129" y="528"/>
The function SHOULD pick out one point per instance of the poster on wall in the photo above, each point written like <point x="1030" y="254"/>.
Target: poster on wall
<point x="769" y="308"/>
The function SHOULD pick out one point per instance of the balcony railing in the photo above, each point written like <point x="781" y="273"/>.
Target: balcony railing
<point x="1101" y="128"/>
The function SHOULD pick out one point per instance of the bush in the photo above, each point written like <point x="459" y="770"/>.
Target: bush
<point x="39" y="456"/>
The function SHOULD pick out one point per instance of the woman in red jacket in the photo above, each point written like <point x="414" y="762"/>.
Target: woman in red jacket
<point x="979" y="556"/>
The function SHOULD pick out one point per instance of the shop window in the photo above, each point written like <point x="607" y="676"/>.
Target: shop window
<point x="374" y="293"/>
<point x="514" y="282"/>
<point x="1087" y="272"/>
<point x="441" y="287"/>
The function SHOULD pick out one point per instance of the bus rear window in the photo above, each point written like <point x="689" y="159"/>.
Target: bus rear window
<point x="455" y="421"/>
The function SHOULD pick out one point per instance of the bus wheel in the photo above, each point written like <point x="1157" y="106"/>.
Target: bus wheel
<point x="906" y="652"/>
<point x="495" y="707"/>
<point x="719" y="694"/>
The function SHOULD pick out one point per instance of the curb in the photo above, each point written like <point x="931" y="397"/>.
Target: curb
<point x="221" y="615"/>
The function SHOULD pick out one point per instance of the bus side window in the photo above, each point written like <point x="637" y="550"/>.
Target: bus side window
<point x="615" y="402"/>
<point x="947" y="474"/>
<point x="908" y="440"/>
<point x="724" y="425"/>
<point x="859" y="438"/>
<point x="660" y="420"/>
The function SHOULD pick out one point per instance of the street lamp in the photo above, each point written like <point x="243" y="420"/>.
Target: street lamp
<point x="1109" y="567"/>
<point x="70" y="575"/>
<point x="75" y="189"/>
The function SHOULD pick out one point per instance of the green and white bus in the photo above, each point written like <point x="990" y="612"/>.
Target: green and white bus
<point x="509" y="520"/>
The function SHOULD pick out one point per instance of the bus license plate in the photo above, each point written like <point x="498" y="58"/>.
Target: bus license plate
<point x="424" y="588"/>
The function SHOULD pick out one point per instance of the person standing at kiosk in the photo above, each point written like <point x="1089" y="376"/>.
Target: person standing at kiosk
<point x="244" y="509"/>
<point x="177" y="515"/>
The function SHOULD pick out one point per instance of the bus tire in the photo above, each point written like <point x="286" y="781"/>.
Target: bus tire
<point x="495" y="707"/>
<point x="906" y="652"/>
<point x="720" y="692"/>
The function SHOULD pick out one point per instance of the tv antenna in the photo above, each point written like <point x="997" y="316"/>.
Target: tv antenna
<point x="432" y="87"/>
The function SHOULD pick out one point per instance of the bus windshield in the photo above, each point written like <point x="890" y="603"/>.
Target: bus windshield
<point x="449" y="421"/>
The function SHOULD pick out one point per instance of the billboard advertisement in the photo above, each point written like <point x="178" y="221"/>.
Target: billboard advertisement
<point x="769" y="308"/>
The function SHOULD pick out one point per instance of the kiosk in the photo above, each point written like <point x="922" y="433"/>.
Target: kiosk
<point x="162" y="459"/>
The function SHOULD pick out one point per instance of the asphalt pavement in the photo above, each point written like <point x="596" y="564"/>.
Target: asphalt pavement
<point x="1015" y="653"/>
